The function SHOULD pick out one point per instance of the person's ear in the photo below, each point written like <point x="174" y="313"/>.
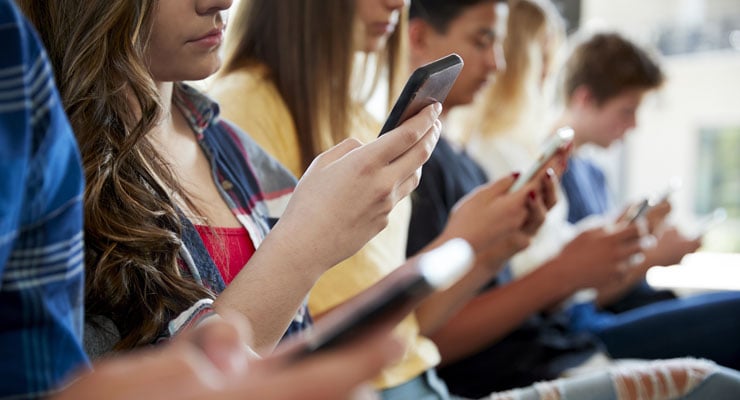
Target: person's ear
<point x="418" y="37"/>
<point x="582" y="97"/>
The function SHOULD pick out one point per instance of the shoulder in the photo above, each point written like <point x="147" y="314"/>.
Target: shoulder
<point x="20" y="45"/>
<point x="583" y="165"/>
<point x="443" y="153"/>
<point x="262" y="162"/>
<point x="246" y="87"/>
<point x="38" y="152"/>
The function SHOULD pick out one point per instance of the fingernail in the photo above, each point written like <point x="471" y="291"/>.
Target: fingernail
<point x="438" y="108"/>
<point x="532" y="195"/>
<point x="550" y="172"/>
<point x="515" y="175"/>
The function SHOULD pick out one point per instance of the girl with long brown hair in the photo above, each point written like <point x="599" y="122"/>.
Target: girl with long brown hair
<point x="178" y="200"/>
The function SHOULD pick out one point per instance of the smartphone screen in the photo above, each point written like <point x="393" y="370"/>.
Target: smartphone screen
<point x="428" y="84"/>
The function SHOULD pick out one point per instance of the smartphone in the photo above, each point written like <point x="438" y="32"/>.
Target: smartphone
<point x="709" y="221"/>
<point x="430" y="83"/>
<point x="392" y="298"/>
<point x="561" y="138"/>
<point x="636" y="211"/>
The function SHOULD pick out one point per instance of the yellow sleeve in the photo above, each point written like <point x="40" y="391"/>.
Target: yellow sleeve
<point x="251" y="101"/>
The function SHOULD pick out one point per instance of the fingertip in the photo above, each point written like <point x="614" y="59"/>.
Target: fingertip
<point x="437" y="108"/>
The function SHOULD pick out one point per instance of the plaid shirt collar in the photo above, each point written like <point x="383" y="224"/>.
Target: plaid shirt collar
<point x="200" y="110"/>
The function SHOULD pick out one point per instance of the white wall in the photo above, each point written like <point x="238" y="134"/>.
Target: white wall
<point x="702" y="90"/>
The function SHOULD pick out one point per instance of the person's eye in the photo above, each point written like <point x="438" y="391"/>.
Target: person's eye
<point x="483" y="43"/>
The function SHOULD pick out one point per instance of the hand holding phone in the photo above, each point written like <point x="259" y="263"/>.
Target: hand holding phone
<point x="560" y="139"/>
<point x="428" y="84"/>
<point x="636" y="211"/>
<point x="393" y="297"/>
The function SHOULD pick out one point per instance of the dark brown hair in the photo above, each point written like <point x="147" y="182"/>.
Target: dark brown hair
<point x="440" y="13"/>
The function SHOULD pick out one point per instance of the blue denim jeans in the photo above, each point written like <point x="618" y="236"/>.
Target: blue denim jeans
<point x="427" y="386"/>
<point x="702" y="326"/>
<point x="724" y="384"/>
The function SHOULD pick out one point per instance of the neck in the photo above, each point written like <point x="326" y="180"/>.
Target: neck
<point x="568" y="118"/>
<point x="171" y="123"/>
<point x="166" y="90"/>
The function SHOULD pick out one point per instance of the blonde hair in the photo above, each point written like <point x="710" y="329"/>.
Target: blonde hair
<point x="308" y="47"/>
<point x="535" y="31"/>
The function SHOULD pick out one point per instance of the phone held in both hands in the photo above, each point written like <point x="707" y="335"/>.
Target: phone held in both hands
<point x="393" y="297"/>
<point x="560" y="139"/>
<point x="428" y="84"/>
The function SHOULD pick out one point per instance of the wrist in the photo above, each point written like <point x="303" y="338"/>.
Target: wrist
<point x="285" y="249"/>
<point x="562" y="282"/>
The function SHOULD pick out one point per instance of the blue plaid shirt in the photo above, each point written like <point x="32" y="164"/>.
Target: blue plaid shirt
<point x="254" y="185"/>
<point x="41" y="261"/>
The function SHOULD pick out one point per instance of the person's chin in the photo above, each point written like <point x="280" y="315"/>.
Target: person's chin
<point x="375" y="43"/>
<point x="206" y="69"/>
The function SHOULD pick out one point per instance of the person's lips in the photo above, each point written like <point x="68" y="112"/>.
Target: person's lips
<point x="212" y="38"/>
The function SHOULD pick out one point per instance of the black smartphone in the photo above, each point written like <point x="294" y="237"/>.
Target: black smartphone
<point x="392" y="298"/>
<point x="428" y="84"/>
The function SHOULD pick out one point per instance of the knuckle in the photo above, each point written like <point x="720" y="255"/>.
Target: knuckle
<point x="408" y="135"/>
<point x="415" y="178"/>
<point x="352" y="142"/>
<point x="383" y="195"/>
<point x="366" y="168"/>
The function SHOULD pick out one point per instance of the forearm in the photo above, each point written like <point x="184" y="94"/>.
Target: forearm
<point x="440" y="306"/>
<point x="494" y="314"/>
<point x="271" y="288"/>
